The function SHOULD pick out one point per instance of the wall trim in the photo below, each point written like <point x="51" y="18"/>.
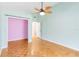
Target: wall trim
<point x="62" y="44"/>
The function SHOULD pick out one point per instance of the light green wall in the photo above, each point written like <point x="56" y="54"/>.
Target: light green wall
<point x="62" y="26"/>
<point x="0" y="29"/>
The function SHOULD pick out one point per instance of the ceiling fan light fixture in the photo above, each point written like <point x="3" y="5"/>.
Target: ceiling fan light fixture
<point x="42" y="13"/>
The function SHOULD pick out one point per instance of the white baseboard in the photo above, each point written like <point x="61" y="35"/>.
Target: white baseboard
<point x="62" y="44"/>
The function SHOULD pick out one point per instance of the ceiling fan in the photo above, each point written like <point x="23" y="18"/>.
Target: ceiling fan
<point x="43" y="10"/>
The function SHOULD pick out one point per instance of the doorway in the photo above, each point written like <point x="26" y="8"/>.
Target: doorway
<point x="36" y="29"/>
<point x="17" y="36"/>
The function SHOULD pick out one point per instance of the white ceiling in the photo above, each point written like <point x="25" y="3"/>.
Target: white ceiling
<point x="22" y="6"/>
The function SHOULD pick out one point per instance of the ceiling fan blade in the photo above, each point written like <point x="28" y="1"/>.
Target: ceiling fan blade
<point x="48" y="8"/>
<point x="48" y="11"/>
<point x="36" y="9"/>
<point x="35" y="12"/>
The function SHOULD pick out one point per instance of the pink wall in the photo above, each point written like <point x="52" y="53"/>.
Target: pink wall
<point x="17" y="29"/>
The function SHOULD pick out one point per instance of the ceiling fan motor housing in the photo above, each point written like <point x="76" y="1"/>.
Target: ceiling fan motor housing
<point x="41" y="10"/>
